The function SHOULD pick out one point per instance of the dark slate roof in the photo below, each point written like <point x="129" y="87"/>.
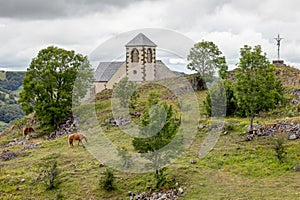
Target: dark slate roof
<point x="106" y="70"/>
<point x="162" y="71"/>
<point x="140" y="40"/>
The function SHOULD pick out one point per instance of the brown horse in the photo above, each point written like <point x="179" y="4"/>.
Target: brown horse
<point x="27" y="130"/>
<point x="76" y="136"/>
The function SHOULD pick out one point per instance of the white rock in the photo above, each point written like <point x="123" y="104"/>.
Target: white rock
<point x="180" y="190"/>
<point x="292" y="137"/>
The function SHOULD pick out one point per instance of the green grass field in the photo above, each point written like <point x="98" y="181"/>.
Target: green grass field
<point x="234" y="169"/>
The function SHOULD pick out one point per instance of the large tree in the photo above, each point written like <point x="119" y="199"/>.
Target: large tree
<point x="256" y="88"/>
<point x="220" y="100"/>
<point x="206" y="58"/>
<point x="49" y="81"/>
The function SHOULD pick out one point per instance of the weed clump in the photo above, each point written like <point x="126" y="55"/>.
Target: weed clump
<point x="279" y="148"/>
<point x="50" y="176"/>
<point x="108" y="182"/>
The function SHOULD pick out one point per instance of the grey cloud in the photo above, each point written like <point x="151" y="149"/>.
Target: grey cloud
<point x="44" y="9"/>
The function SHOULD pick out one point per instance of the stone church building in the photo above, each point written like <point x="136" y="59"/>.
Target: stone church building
<point x="140" y="65"/>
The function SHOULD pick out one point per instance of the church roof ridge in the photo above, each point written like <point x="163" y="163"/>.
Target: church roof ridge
<point x="140" y="40"/>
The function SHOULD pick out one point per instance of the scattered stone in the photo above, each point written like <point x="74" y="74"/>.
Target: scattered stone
<point x="19" y="188"/>
<point x="201" y="126"/>
<point x="69" y="126"/>
<point x="136" y="114"/>
<point x="16" y="142"/>
<point x="166" y="194"/>
<point x="288" y="127"/>
<point x="35" y="135"/>
<point x="102" y="165"/>
<point x="192" y="161"/>
<point x="225" y="133"/>
<point x="180" y="190"/>
<point x="118" y="121"/>
<point x="293" y="137"/>
<point x="296" y="168"/>
<point x="22" y="180"/>
<point x="8" y="155"/>
<point x="31" y="146"/>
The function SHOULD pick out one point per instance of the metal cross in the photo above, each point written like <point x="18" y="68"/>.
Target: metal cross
<point x="278" y="39"/>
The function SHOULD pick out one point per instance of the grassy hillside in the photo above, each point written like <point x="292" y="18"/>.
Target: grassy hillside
<point x="234" y="169"/>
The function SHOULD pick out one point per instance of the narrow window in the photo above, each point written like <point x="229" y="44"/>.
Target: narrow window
<point x="149" y="56"/>
<point x="135" y="55"/>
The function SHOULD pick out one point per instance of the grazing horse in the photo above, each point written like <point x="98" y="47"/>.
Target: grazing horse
<point x="27" y="130"/>
<point x="76" y="136"/>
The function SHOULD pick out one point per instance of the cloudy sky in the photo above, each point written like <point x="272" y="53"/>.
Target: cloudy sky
<point x="26" y="26"/>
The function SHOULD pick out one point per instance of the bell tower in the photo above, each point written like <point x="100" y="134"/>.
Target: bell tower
<point x="140" y="59"/>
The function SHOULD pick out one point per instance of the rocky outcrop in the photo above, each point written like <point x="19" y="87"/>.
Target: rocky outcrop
<point x="170" y="194"/>
<point x="118" y="121"/>
<point x="8" y="155"/>
<point x="296" y="95"/>
<point x="290" y="76"/>
<point x="69" y="126"/>
<point x="31" y="146"/>
<point x="18" y="142"/>
<point x="289" y="127"/>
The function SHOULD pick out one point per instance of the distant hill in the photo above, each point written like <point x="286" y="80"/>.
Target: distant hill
<point x="10" y="87"/>
<point x="10" y="81"/>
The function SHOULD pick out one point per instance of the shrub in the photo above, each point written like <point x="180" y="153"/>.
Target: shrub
<point x="50" y="176"/>
<point x="108" y="182"/>
<point x="160" y="179"/>
<point x="279" y="148"/>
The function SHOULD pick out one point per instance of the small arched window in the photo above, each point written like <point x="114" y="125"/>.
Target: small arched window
<point x="149" y="56"/>
<point x="135" y="55"/>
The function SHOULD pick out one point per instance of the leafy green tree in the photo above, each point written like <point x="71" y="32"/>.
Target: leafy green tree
<point x="221" y="94"/>
<point x="125" y="91"/>
<point x="256" y="88"/>
<point x="49" y="81"/>
<point x="160" y="120"/>
<point x="205" y="58"/>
